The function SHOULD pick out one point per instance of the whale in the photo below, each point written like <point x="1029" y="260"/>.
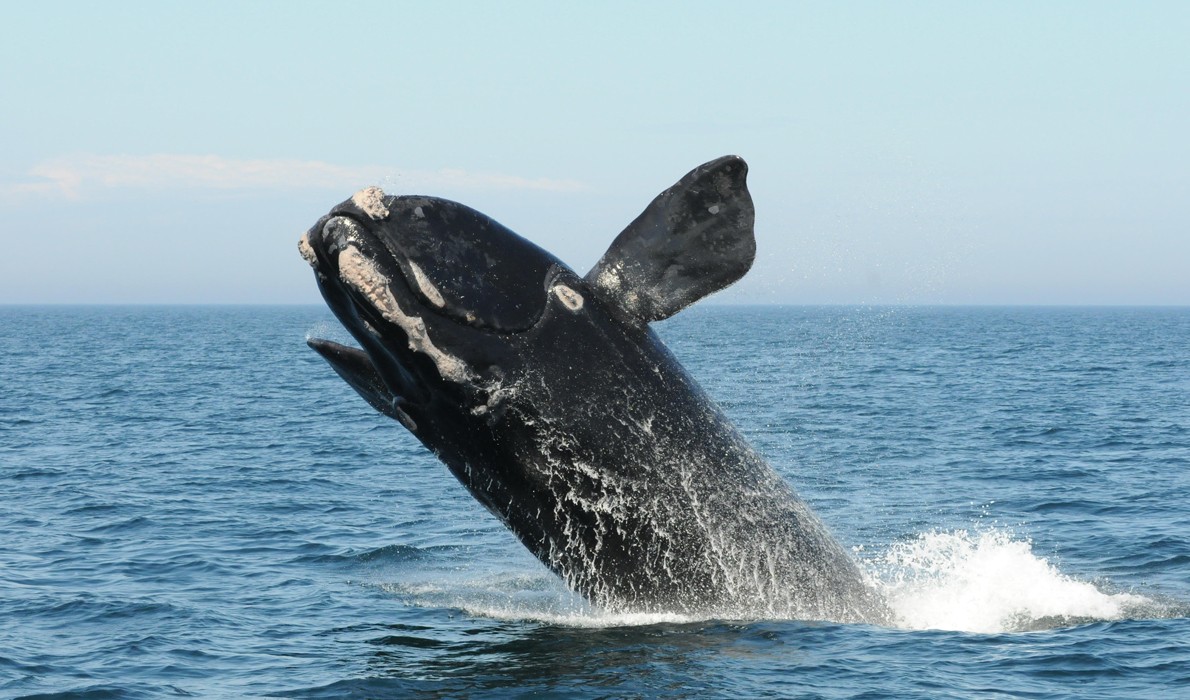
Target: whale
<point x="553" y="401"/>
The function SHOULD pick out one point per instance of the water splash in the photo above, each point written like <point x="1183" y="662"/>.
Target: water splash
<point x="987" y="581"/>
<point x="990" y="582"/>
<point x="523" y="597"/>
<point x="328" y="330"/>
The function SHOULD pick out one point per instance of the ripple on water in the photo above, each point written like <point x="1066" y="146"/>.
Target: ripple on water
<point x="195" y="504"/>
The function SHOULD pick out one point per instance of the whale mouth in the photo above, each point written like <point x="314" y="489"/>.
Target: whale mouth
<point x="369" y="297"/>
<point x="420" y="283"/>
<point x="370" y="294"/>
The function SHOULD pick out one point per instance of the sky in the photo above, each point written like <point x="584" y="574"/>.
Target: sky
<point x="899" y="153"/>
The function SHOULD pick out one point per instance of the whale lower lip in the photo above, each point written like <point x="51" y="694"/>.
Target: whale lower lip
<point x="356" y="368"/>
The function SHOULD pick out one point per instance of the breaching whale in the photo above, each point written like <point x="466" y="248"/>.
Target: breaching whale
<point x="551" y="399"/>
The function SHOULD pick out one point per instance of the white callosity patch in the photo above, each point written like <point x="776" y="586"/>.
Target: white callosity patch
<point x="498" y="394"/>
<point x="426" y="286"/>
<point x="714" y="208"/>
<point x="307" y="250"/>
<point x="569" y="298"/>
<point x="370" y="200"/>
<point x="338" y="233"/>
<point x="359" y="272"/>
<point x="417" y="211"/>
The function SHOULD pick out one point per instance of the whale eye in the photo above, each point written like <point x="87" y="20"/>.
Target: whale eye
<point x="466" y="266"/>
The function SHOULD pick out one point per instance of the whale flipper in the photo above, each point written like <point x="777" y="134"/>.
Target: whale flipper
<point x="694" y="239"/>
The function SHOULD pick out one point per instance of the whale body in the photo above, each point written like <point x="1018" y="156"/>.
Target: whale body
<point x="553" y="402"/>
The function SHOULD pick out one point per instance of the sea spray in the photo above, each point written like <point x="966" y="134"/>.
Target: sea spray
<point x="984" y="581"/>
<point x="988" y="581"/>
<point x="328" y="330"/>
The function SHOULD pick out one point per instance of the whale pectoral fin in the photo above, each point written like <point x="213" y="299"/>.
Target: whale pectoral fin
<point x="356" y="368"/>
<point x="694" y="239"/>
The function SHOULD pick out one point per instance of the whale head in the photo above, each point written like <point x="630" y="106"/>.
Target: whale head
<point x="435" y="293"/>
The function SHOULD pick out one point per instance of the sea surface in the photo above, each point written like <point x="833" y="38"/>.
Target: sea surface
<point x="192" y="504"/>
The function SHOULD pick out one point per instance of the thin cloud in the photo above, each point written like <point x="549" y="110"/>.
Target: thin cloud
<point x="80" y="176"/>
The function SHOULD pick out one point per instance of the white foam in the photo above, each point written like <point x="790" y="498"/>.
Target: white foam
<point x="984" y="582"/>
<point x="587" y="619"/>
<point x="987" y="582"/>
<point x="522" y="597"/>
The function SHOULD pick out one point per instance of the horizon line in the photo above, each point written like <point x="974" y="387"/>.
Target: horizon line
<point x="729" y="304"/>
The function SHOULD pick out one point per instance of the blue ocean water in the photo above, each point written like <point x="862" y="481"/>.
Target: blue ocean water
<point x="193" y="504"/>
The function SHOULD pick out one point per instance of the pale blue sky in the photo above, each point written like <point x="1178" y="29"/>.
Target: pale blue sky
<point x="944" y="152"/>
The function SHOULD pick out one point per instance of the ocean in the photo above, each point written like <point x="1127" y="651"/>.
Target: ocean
<point x="193" y="504"/>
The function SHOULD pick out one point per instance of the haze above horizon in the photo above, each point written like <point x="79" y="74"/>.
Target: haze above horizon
<point x="920" y="153"/>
